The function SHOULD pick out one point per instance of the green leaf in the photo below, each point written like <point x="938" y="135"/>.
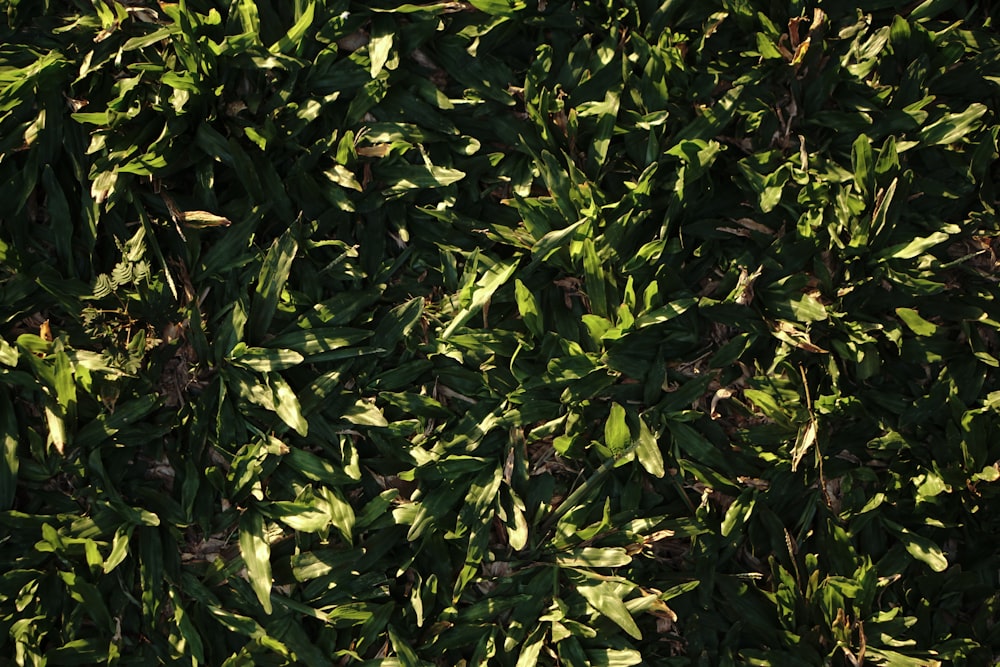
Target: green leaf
<point x="916" y="247"/>
<point x="58" y="435"/>
<point x="881" y="214"/>
<point x="531" y="649"/>
<point x="380" y="45"/>
<point x="482" y="291"/>
<point x="314" y="468"/>
<point x="616" y="431"/>
<point x="407" y="656"/>
<point x="9" y="462"/>
<point x="919" y="547"/>
<point x="273" y="276"/>
<point x="915" y="323"/>
<point x="528" y="307"/>
<point x="265" y="359"/>
<point x="595" y="557"/>
<point x="119" y="548"/>
<point x="609" y="657"/>
<point x="605" y="598"/>
<point x="954" y="126"/>
<point x="405" y="177"/>
<point x="499" y="7"/>
<point x="8" y="354"/>
<point x="256" y="553"/>
<point x="300" y="516"/>
<point x="341" y="513"/>
<point x="365" y="414"/>
<point x="863" y="163"/>
<point x="552" y="241"/>
<point x="286" y="404"/>
<point x="594" y="279"/>
<point x="666" y="313"/>
<point x="398" y="323"/>
<point x="191" y="642"/>
<point x="739" y="511"/>
<point x="291" y="42"/>
<point x="430" y="8"/>
<point x="648" y="451"/>
<point x="806" y="308"/>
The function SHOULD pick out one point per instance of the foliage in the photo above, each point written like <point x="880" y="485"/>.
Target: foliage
<point x="499" y="332"/>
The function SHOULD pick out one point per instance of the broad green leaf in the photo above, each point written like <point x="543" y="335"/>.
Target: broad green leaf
<point x="895" y="658"/>
<point x="953" y="126"/>
<point x="58" y="436"/>
<point x="806" y="308"/>
<point x="604" y="597"/>
<point x="607" y="113"/>
<point x="300" y="516"/>
<point x="610" y="657"/>
<point x="291" y="42"/>
<point x="864" y="166"/>
<point x="528" y="306"/>
<point x="263" y="359"/>
<point x="9" y="462"/>
<point x="929" y="9"/>
<point x="482" y="291"/>
<point x="916" y="247"/>
<point x="552" y="241"/>
<point x="648" y="451"/>
<point x="8" y="354"/>
<point x="273" y="276"/>
<point x="517" y="529"/>
<point x="531" y="649"/>
<point x="404" y="652"/>
<point x="343" y="176"/>
<point x="92" y="600"/>
<point x="365" y="414"/>
<point x="78" y="652"/>
<point x="919" y="547"/>
<point x="430" y="8"/>
<point x="119" y="549"/>
<point x="190" y="640"/>
<point x="616" y="431"/>
<point x="918" y="325"/>
<point x="286" y="404"/>
<point x="416" y="404"/>
<point x="341" y="513"/>
<point x="380" y="44"/>
<point x="315" y="468"/>
<point x="398" y="323"/>
<point x="881" y="214"/>
<point x="256" y="553"/>
<point x="595" y="557"/>
<point x="666" y="313"/>
<point x="767" y="404"/>
<point x="695" y="445"/>
<point x="150" y="560"/>
<point x="595" y="279"/>
<point x="499" y="7"/>
<point x="403" y="177"/>
<point x="888" y="158"/>
<point x="246" y="11"/>
<point x="738" y="513"/>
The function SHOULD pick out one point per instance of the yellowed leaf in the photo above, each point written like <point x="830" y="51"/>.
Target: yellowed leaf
<point x="805" y="441"/>
<point x="200" y="219"/>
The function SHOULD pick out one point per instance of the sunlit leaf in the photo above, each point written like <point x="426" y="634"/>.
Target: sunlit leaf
<point x="256" y="555"/>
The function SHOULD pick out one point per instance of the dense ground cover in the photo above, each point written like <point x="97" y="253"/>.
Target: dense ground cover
<point x="499" y="332"/>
